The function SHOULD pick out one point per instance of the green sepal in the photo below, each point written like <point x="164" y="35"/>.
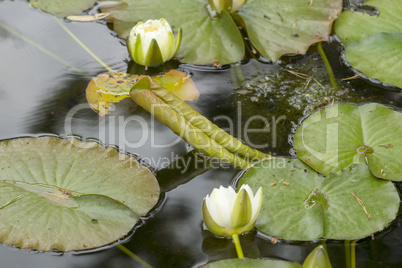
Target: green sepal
<point x="177" y="41"/>
<point x="242" y="212"/>
<point x="211" y="224"/>
<point x="154" y="56"/>
<point x="317" y="258"/>
<point x="138" y="53"/>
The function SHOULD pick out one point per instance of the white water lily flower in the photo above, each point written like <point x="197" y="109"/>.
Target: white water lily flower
<point x="226" y="212"/>
<point x="228" y="5"/>
<point x="152" y="43"/>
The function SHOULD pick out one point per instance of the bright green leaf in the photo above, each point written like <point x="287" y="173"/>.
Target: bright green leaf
<point x="385" y="60"/>
<point x="69" y="195"/>
<point x="374" y="44"/>
<point x="300" y="205"/>
<point x="346" y="134"/>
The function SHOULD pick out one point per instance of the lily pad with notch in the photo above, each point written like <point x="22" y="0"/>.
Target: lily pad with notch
<point x="300" y="205"/>
<point x="274" y="28"/>
<point x="344" y="134"/>
<point x="68" y="195"/>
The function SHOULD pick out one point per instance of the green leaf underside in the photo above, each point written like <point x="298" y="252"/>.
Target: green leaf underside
<point x="194" y="128"/>
<point x="182" y="127"/>
<point x="107" y="89"/>
<point x="62" y="8"/>
<point x="283" y="27"/>
<point x="251" y="263"/>
<point x="374" y="44"/>
<point x="312" y="207"/>
<point x="73" y="195"/>
<point x="329" y="140"/>
<point x="205" y="40"/>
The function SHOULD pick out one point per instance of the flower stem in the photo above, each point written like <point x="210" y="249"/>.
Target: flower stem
<point x="327" y="66"/>
<point x="84" y="46"/>
<point x="132" y="255"/>
<point x="239" y="250"/>
<point x="44" y="50"/>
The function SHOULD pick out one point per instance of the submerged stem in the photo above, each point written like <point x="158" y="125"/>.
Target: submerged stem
<point x="327" y="66"/>
<point x="83" y="46"/>
<point x="44" y="50"/>
<point x="239" y="250"/>
<point x="132" y="255"/>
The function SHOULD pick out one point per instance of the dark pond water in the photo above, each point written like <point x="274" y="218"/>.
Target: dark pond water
<point x="42" y="95"/>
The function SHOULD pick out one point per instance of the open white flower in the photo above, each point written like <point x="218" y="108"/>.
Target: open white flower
<point x="226" y="212"/>
<point x="228" y="5"/>
<point x="152" y="43"/>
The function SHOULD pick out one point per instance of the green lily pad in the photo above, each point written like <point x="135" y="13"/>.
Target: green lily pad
<point x="299" y="204"/>
<point x="251" y="263"/>
<point x="380" y="37"/>
<point x="62" y="8"/>
<point x="206" y="39"/>
<point x="70" y="195"/>
<point x="283" y="27"/>
<point x="275" y="28"/>
<point x="346" y="134"/>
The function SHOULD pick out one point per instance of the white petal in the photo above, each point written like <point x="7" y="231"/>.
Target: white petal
<point x="237" y="4"/>
<point x="256" y="204"/>
<point x="220" y="205"/>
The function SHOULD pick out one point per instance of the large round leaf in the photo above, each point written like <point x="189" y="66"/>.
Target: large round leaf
<point x="251" y="263"/>
<point x="282" y="27"/>
<point x="62" y="8"/>
<point x="344" y="134"/>
<point x="69" y="195"/>
<point x="299" y="204"/>
<point x="373" y="44"/>
<point x="206" y="39"/>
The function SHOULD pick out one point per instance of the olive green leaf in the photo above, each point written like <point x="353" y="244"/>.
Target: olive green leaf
<point x="70" y="195"/>
<point x="62" y="8"/>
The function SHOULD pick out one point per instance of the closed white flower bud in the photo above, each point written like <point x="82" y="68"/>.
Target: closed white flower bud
<point x="152" y="43"/>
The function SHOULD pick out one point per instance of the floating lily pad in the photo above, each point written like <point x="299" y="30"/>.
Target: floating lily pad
<point x="252" y="263"/>
<point x="283" y="27"/>
<point x="299" y="204"/>
<point x="275" y="28"/>
<point x="346" y="134"/>
<point x="62" y="8"/>
<point x="111" y="88"/>
<point x="374" y="44"/>
<point x="70" y="195"/>
<point x="206" y="39"/>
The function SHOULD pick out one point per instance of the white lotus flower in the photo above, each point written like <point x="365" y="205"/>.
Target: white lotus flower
<point x="228" y="5"/>
<point x="152" y="43"/>
<point x="226" y="212"/>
